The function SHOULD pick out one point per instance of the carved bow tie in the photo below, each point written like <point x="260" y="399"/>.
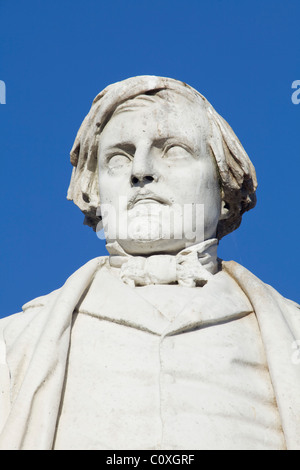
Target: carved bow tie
<point x="191" y="267"/>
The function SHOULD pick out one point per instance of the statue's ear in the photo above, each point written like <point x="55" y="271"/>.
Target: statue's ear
<point x="225" y="210"/>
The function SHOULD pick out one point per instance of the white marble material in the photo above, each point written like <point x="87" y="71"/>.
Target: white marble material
<point x="159" y="345"/>
<point x="198" y="390"/>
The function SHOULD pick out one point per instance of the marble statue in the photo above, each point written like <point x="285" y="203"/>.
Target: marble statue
<point x="160" y="344"/>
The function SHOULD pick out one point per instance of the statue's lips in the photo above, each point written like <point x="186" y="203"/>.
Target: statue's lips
<point x="146" y="199"/>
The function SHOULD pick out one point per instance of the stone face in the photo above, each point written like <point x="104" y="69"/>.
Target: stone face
<point x="160" y="344"/>
<point x="153" y="153"/>
<point x="179" y="102"/>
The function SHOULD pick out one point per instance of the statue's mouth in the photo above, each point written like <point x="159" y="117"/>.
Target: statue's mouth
<point x="147" y="201"/>
<point x="146" y="197"/>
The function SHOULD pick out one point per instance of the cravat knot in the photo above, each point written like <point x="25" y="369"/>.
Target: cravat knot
<point x="191" y="267"/>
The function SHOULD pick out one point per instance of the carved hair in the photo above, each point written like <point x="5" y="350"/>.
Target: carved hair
<point x="236" y="172"/>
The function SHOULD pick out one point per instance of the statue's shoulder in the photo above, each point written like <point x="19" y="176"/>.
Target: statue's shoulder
<point x="40" y="301"/>
<point x="29" y="310"/>
<point x="252" y="285"/>
<point x="34" y="306"/>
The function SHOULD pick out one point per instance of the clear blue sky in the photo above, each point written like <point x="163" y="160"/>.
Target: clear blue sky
<point x="56" y="56"/>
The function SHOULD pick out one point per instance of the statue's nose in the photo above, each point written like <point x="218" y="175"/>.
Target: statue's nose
<point x="141" y="179"/>
<point x="143" y="171"/>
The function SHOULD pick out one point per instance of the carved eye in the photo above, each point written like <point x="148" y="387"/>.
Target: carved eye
<point x="176" y="152"/>
<point x="118" y="161"/>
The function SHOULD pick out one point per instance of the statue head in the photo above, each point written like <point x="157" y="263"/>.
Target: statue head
<point x="154" y="149"/>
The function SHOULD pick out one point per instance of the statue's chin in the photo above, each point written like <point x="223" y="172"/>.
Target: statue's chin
<point x="149" y="233"/>
<point x="146" y="234"/>
<point x="147" y="246"/>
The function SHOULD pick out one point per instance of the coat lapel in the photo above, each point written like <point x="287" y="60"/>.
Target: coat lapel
<point x="219" y="301"/>
<point x="110" y="299"/>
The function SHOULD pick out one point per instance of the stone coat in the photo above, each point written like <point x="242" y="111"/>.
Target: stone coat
<point x="35" y="344"/>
